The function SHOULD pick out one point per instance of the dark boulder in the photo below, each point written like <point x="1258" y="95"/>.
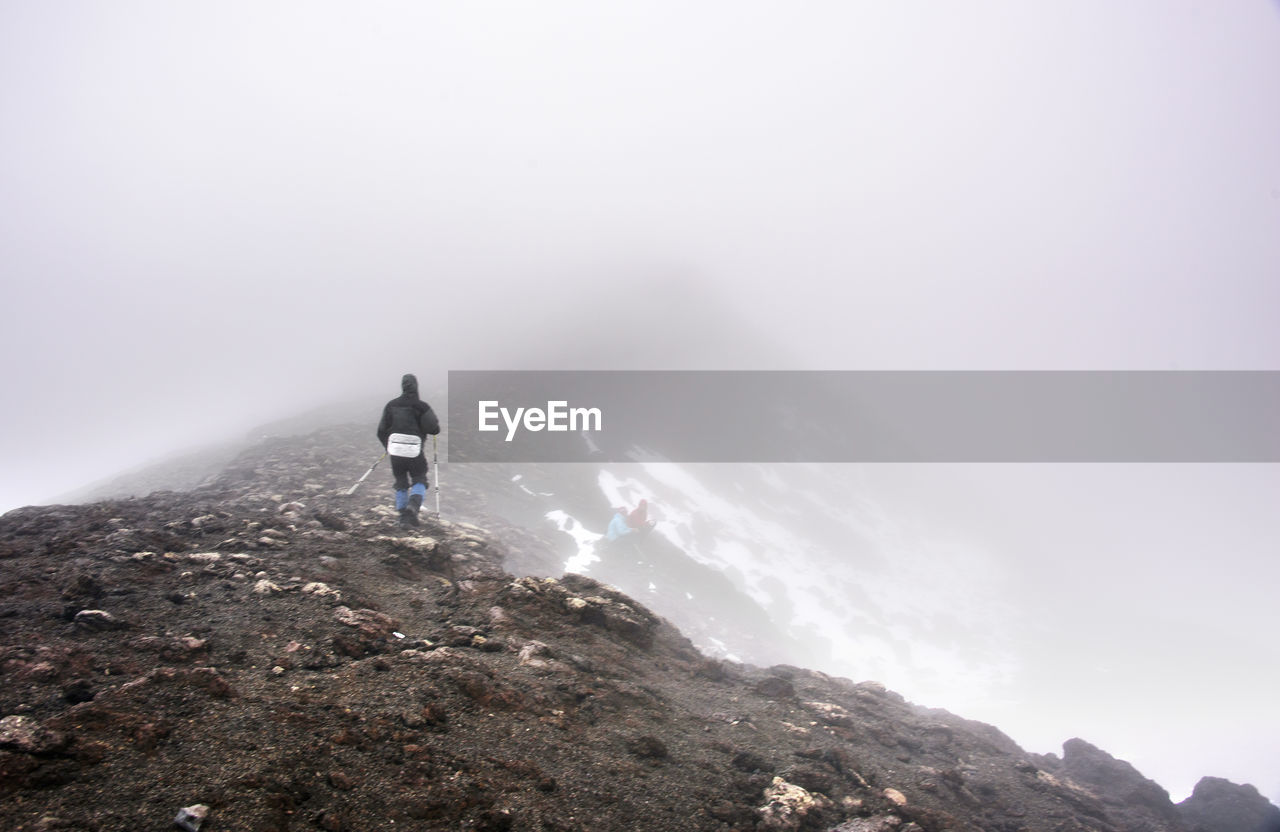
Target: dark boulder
<point x="1218" y="805"/>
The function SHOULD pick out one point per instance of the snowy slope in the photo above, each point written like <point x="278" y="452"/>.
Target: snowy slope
<point x="789" y="564"/>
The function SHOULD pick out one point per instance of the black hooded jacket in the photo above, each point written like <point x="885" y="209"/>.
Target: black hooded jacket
<point x="408" y="414"/>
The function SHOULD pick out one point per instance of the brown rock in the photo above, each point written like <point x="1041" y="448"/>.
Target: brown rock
<point x="775" y="688"/>
<point x="370" y="624"/>
<point x="341" y="781"/>
<point x="208" y="680"/>
<point x="648" y="748"/>
<point x="22" y="733"/>
<point x="98" y="621"/>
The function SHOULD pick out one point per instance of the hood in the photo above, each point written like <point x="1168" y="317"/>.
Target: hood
<point x="409" y="384"/>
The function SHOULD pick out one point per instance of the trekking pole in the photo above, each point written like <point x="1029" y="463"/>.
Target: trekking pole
<point x="435" y="460"/>
<point x="353" y="488"/>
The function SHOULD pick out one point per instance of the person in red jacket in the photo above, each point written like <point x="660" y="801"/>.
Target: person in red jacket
<point x="625" y="524"/>
<point x="639" y="516"/>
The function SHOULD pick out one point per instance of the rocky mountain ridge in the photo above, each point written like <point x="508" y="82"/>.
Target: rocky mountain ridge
<point x="267" y="653"/>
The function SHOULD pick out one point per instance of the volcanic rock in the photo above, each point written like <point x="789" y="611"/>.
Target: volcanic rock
<point x="98" y="620"/>
<point x="22" y="733"/>
<point x="422" y="686"/>
<point x="1218" y="805"/>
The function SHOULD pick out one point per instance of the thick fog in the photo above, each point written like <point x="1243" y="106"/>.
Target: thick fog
<point x="212" y="216"/>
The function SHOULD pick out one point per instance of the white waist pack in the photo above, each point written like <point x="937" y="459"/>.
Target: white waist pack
<point x="404" y="444"/>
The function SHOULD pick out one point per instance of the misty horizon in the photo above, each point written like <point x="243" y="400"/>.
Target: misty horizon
<point x="213" y="219"/>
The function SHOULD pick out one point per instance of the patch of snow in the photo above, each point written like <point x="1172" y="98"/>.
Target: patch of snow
<point x="586" y="541"/>
<point x="775" y="532"/>
<point x="718" y="649"/>
<point x="623" y="492"/>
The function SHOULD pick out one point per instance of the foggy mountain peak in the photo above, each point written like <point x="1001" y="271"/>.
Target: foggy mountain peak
<point x="269" y="652"/>
<point x="214" y="222"/>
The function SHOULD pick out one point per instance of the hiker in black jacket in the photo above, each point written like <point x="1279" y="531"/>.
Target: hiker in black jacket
<point x="406" y="422"/>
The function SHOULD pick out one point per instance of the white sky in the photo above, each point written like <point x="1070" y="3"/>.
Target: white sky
<point x="212" y="215"/>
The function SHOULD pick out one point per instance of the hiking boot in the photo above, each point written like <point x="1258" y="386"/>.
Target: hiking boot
<point x="408" y="517"/>
<point x="415" y="504"/>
